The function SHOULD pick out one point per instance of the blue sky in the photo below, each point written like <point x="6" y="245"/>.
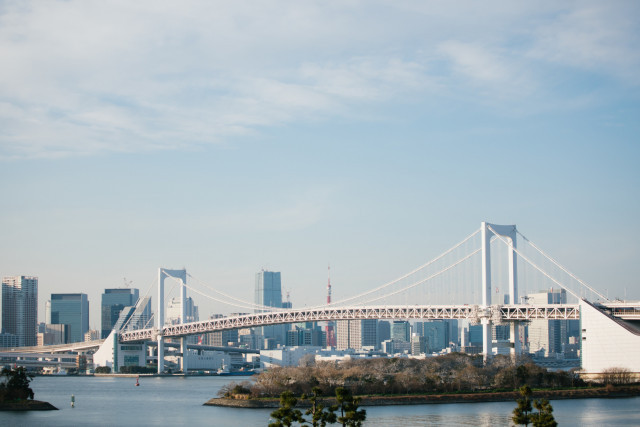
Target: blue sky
<point x="228" y="137"/>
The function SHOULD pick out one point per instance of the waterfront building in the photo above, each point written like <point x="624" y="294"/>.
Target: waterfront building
<point x="113" y="302"/>
<point x="356" y="334"/>
<point x="71" y="310"/>
<point x="608" y="342"/>
<point x="20" y="308"/>
<point x="268" y="292"/>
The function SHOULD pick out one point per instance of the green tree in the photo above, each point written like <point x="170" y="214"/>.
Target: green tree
<point x="286" y="414"/>
<point x="350" y="415"/>
<point x="321" y="415"/>
<point x="544" y="416"/>
<point x="103" y="370"/>
<point x="522" y="413"/>
<point x="15" y="384"/>
<point x="522" y="373"/>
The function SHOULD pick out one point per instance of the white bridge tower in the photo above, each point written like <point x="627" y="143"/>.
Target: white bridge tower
<point x="163" y="273"/>
<point x="509" y="232"/>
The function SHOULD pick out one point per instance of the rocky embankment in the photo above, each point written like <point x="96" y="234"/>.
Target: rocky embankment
<point x="597" y="392"/>
<point x="27" y="405"/>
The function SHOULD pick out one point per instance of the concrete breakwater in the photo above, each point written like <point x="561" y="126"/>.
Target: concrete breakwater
<point x="596" y="392"/>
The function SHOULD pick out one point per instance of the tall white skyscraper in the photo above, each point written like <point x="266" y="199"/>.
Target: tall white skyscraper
<point x="20" y="308"/>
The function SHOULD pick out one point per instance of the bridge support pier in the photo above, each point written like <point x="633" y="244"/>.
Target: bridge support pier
<point x="185" y="354"/>
<point x="514" y="337"/>
<point x="486" y="339"/>
<point x="160" y="354"/>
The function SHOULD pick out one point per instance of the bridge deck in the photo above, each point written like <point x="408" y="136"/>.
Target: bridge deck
<point x="473" y="313"/>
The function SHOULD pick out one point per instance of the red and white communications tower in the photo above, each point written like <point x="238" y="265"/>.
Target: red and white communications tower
<point x="331" y="336"/>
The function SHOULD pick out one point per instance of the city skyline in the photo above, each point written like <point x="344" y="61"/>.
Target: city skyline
<point x="368" y="136"/>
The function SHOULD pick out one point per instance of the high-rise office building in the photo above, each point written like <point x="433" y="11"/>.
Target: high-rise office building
<point x="20" y="308"/>
<point x="71" y="310"/>
<point x="113" y="302"/>
<point x="401" y="331"/>
<point x="384" y="332"/>
<point x="356" y="334"/>
<point x="436" y="333"/>
<point x="268" y="292"/>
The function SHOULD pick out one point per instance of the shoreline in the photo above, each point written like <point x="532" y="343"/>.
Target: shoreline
<point x="422" y="399"/>
<point x="27" y="405"/>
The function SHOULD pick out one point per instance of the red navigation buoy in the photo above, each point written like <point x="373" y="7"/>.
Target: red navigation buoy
<point x="137" y="381"/>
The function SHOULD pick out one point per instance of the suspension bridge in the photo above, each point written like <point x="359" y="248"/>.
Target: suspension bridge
<point x="484" y="279"/>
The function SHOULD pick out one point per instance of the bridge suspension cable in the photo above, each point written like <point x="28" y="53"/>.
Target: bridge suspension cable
<point x="534" y="265"/>
<point x="393" y="282"/>
<point x="573" y="276"/>
<point x="413" y="285"/>
<point x="244" y="306"/>
<point x="247" y="303"/>
<point x="252" y="306"/>
<point x="140" y="299"/>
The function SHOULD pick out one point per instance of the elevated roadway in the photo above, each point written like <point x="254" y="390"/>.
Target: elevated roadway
<point x="473" y="313"/>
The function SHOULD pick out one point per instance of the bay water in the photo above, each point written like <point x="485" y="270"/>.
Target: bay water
<point x="176" y="401"/>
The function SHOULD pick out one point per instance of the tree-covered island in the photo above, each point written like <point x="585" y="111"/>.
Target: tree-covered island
<point x="380" y="381"/>
<point x="16" y="393"/>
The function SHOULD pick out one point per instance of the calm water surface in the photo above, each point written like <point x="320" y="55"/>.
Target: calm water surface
<point x="171" y="401"/>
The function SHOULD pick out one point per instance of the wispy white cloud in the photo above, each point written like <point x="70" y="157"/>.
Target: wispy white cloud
<point x="81" y="77"/>
<point x="499" y="73"/>
<point x="599" y="36"/>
